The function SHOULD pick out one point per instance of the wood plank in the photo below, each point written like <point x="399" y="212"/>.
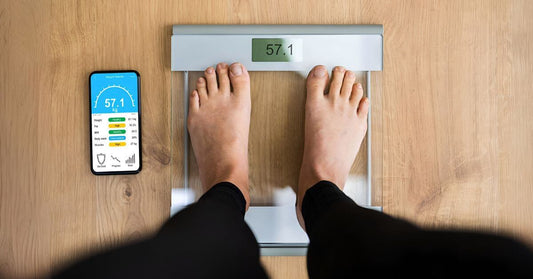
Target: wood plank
<point x="514" y="103"/>
<point x="285" y="267"/>
<point x="24" y="235"/>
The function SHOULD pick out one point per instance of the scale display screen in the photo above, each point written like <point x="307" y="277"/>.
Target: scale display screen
<point x="276" y="50"/>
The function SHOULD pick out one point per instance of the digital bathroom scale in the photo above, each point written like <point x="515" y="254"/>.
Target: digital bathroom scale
<point x="267" y="48"/>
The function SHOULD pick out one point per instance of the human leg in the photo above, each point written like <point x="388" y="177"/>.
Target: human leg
<point x="208" y="239"/>
<point x="346" y="239"/>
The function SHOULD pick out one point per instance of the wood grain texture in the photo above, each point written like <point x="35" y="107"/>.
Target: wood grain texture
<point x="285" y="267"/>
<point x="456" y="130"/>
<point x="452" y="125"/>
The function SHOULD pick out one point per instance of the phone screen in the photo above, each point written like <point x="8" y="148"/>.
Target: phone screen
<point x="115" y="122"/>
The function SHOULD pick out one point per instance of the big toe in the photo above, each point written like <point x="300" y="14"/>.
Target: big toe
<point x="317" y="81"/>
<point x="240" y="80"/>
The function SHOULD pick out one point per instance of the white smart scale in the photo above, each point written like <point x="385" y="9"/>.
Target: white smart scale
<point x="276" y="48"/>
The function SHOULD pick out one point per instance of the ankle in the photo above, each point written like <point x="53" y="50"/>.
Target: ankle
<point x="237" y="174"/>
<point x="312" y="173"/>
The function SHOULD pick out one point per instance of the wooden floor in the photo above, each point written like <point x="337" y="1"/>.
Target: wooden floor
<point x="452" y="117"/>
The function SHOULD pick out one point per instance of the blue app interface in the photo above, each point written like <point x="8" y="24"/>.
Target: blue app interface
<point x="115" y="121"/>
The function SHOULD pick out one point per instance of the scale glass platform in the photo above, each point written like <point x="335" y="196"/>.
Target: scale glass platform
<point x="278" y="58"/>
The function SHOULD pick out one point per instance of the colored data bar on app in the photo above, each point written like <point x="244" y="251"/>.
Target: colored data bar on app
<point x="117" y="125"/>
<point x="117" y="144"/>
<point x="117" y="138"/>
<point x="117" y="119"/>
<point x="114" y="132"/>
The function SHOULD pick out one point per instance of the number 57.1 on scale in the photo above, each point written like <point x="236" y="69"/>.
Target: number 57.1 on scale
<point x="276" y="50"/>
<point x="270" y="49"/>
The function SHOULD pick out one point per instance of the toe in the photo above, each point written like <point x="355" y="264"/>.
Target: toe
<point x="362" y="111"/>
<point x="194" y="101"/>
<point x="336" y="82"/>
<point x="357" y="93"/>
<point x="201" y="88"/>
<point x="347" y="84"/>
<point x="317" y="81"/>
<point x="240" y="80"/>
<point x="223" y="79"/>
<point x="211" y="77"/>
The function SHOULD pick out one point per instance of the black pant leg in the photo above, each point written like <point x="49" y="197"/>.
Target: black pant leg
<point x="208" y="239"/>
<point x="347" y="240"/>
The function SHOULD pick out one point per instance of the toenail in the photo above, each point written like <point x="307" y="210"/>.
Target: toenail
<point x="340" y="69"/>
<point x="350" y="74"/>
<point x="201" y="80"/>
<point x="236" y="69"/>
<point x="222" y="65"/>
<point x="319" y="72"/>
<point x="209" y="70"/>
<point x="359" y="85"/>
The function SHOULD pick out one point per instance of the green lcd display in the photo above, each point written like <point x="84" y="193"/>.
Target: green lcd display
<point x="276" y="50"/>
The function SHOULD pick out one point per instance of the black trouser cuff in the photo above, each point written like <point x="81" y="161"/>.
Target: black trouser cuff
<point x="318" y="199"/>
<point x="227" y="193"/>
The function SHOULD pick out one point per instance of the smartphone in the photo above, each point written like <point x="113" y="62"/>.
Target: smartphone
<point x="115" y="122"/>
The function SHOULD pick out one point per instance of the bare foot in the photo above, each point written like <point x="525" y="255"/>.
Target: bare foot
<point x="335" y="125"/>
<point x="219" y="124"/>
